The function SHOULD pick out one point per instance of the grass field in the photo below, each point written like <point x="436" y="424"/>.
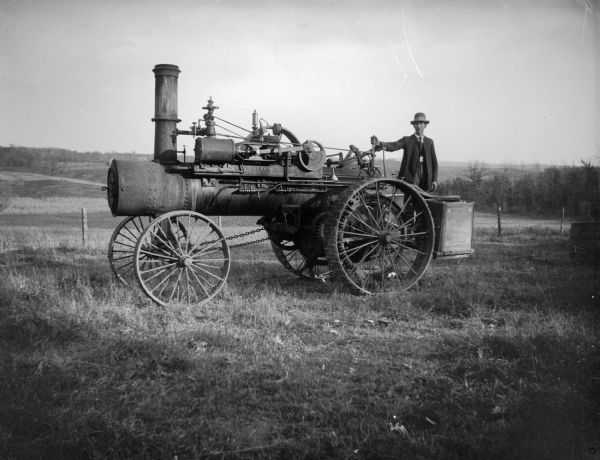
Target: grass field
<point x="495" y="356"/>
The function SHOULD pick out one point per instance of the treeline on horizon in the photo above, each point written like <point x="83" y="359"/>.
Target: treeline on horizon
<point x="48" y="159"/>
<point x="535" y="192"/>
<point x="543" y="191"/>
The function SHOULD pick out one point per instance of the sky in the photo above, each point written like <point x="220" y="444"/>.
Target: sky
<point x="502" y="81"/>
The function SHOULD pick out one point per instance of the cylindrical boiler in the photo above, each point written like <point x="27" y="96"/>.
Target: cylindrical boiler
<point x="137" y="188"/>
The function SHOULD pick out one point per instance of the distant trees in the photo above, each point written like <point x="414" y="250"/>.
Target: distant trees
<point x="53" y="160"/>
<point x="543" y="191"/>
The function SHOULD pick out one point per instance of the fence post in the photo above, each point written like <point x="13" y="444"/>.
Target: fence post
<point x="562" y="219"/>
<point x="499" y="221"/>
<point x="219" y="222"/>
<point x="84" y="227"/>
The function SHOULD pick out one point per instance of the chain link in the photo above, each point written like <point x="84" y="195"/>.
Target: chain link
<point x="247" y="243"/>
<point x="248" y="233"/>
<point x="239" y="235"/>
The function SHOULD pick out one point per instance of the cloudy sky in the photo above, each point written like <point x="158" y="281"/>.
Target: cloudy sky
<point x="501" y="81"/>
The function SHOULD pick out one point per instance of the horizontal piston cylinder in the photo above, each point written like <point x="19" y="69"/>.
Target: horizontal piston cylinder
<point x="209" y="150"/>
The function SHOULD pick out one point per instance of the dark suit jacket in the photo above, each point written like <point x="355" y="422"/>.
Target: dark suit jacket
<point x="410" y="160"/>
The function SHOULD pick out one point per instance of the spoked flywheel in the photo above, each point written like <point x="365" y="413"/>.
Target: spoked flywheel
<point x="182" y="256"/>
<point x="302" y="253"/>
<point x="292" y="258"/>
<point x="379" y="236"/>
<point x="121" y="247"/>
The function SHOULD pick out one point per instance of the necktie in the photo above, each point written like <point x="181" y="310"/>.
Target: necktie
<point x="420" y="167"/>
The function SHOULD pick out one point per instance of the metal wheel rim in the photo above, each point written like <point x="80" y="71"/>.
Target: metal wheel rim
<point x="121" y="247"/>
<point x="373" y="243"/>
<point x="182" y="256"/>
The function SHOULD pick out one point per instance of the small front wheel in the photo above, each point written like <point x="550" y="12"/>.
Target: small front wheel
<point x="182" y="256"/>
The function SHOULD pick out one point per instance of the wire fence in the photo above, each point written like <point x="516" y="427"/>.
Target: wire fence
<point x="41" y="226"/>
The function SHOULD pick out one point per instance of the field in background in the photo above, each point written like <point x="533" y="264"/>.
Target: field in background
<point x="495" y="356"/>
<point x="56" y="221"/>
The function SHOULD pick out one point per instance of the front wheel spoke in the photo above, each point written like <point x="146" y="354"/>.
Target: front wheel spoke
<point x="166" y="284"/>
<point x="220" y="259"/>
<point x="211" y="284"/>
<point x="205" y="249"/>
<point x="176" y="234"/>
<point x="157" y="256"/>
<point x="187" y="280"/>
<point x="153" y="269"/>
<point x="191" y="287"/>
<point x="165" y="240"/>
<point x="176" y="286"/>
<point x="201" y="284"/>
<point x="190" y="231"/>
<point x="202" y="236"/>
<point x="198" y="263"/>
<point x="203" y="254"/>
<point x="149" y="243"/>
<point x="156" y="275"/>
<point x="208" y="272"/>
<point x="163" y="283"/>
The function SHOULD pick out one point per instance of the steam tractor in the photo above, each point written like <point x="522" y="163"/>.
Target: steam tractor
<point x="330" y="217"/>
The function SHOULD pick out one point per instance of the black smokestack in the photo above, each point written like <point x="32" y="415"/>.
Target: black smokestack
<point x="165" y="113"/>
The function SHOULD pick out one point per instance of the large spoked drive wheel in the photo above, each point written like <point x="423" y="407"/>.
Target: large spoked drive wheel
<point x="379" y="236"/>
<point x="182" y="256"/>
<point x="121" y="247"/>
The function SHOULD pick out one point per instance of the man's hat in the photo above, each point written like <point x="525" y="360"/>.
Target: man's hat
<point x="420" y="116"/>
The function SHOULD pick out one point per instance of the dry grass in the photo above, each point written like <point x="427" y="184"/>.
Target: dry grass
<point x="54" y="205"/>
<point x="491" y="357"/>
